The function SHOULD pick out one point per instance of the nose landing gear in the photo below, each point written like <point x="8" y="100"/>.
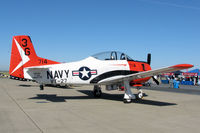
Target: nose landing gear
<point x="140" y="95"/>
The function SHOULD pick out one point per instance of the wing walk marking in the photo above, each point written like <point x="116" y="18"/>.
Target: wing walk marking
<point x="24" y="57"/>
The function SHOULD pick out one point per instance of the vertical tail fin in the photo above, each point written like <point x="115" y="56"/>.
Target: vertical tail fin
<point x="23" y="55"/>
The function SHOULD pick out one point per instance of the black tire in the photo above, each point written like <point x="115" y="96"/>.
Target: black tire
<point x="41" y="87"/>
<point x="97" y="93"/>
<point x="127" y="101"/>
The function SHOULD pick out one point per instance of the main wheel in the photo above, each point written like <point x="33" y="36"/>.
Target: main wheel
<point x="127" y="101"/>
<point x="41" y="87"/>
<point x="97" y="93"/>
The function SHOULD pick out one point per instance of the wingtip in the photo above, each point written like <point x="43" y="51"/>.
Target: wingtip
<point x="183" y="66"/>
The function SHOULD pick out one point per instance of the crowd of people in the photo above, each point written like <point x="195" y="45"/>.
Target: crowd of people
<point x="193" y="80"/>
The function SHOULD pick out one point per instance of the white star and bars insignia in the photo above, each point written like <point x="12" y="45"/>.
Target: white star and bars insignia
<point x="84" y="73"/>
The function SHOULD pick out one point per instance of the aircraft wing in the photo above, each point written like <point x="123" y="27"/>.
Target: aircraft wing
<point x="145" y="74"/>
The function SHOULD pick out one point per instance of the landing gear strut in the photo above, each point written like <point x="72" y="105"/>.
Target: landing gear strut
<point x="128" y="95"/>
<point x="97" y="91"/>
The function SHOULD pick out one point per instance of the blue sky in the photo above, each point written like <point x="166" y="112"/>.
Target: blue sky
<point x="70" y="30"/>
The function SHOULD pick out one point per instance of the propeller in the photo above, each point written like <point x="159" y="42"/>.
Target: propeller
<point x="149" y="62"/>
<point x="149" y="58"/>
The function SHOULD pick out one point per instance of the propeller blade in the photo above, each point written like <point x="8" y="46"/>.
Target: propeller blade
<point x="149" y="59"/>
<point x="155" y="80"/>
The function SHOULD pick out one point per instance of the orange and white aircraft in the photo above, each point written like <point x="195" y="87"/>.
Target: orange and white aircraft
<point x="112" y="69"/>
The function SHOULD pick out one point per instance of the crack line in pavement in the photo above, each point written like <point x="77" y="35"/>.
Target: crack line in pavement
<point x="23" y="111"/>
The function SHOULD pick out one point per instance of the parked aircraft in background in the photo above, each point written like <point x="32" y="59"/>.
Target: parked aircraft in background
<point x="112" y="69"/>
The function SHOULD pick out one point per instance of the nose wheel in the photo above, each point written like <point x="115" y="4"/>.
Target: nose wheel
<point x="97" y="91"/>
<point x="140" y="94"/>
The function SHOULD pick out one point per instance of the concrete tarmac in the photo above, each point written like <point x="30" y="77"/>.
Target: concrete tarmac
<point x="26" y="109"/>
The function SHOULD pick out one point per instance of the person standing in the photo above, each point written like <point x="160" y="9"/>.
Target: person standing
<point x="171" y="82"/>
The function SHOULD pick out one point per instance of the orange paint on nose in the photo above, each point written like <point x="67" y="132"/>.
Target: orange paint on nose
<point x="139" y="67"/>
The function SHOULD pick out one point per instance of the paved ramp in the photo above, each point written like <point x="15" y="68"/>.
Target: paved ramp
<point x="24" y="108"/>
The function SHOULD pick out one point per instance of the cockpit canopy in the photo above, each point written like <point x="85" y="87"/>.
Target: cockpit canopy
<point x="112" y="55"/>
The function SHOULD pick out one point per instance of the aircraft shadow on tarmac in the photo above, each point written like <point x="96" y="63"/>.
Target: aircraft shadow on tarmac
<point x="105" y="96"/>
<point x="23" y="85"/>
<point x="62" y="87"/>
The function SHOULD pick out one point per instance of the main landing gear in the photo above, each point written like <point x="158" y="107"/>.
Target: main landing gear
<point x="41" y="87"/>
<point x="129" y="96"/>
<point x="97" y="91"/>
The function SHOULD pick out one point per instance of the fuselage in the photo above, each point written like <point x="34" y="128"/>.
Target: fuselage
<point x="87" y="71"/>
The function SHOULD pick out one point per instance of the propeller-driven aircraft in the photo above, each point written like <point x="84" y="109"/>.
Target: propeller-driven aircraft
<point x="113" y="69"/>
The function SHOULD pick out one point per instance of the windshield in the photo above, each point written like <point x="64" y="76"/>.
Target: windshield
<point x="112" y="55"/>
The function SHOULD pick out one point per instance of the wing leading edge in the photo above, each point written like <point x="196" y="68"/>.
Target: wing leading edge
<point x="145" y="74"/>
